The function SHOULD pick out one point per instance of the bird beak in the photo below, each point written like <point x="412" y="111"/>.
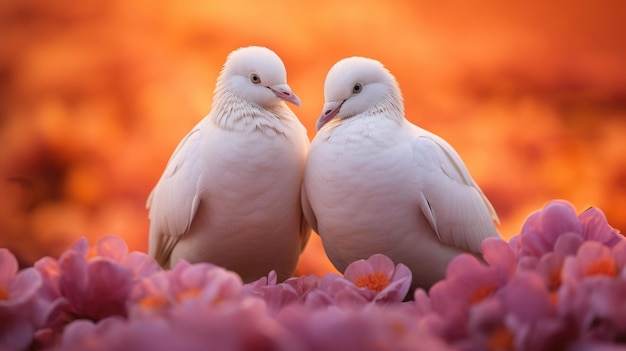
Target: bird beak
<point x="330" y="110"/>
<point x="283" y="91"/>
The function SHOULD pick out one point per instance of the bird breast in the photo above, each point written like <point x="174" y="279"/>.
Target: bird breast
<point x="251" y="171"/>
<point x="355" y="173"/>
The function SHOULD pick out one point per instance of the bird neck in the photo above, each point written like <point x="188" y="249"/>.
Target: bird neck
<point x="391" y="108"/>
<point x="231" y="112"/>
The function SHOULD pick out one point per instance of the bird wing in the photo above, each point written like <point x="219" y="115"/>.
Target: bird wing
<point x="175" y="199"/>
<point x="451" y="201"/>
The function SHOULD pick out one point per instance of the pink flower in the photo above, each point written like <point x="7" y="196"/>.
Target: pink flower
<point x="542" y="229"/>
<point x="335" y="290"/>
<point x="159" y="293"/>
<point x="89" y="283"/>
<point x="276" y="296"/>
<point x="114" y="248"/>
<point x="383" y="281"/>
<point x="20" y="312"/>
<point x="192" y="325"/>
<point x="303" y="285"/>
<point x="596" y="306"/>
<point x="519" y="316"/>
<point x="550" y="265"/>
<point x="373" y="327"/>
<point x="596" y="228"/>
<point x="593" y="291"/>
<point x="468" y="281"/>
<point x="531" y="314"/>
<point x="468" y="284"/>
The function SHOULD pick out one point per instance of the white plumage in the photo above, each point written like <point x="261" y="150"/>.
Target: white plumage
<point x="230" y="193"/>
<point x="375" y="183"/>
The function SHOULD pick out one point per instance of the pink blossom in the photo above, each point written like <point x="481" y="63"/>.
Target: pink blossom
<point x="550" y="265"/>
<point x="593" y="291"/>
<point x="194" y="326"/>
<point x="373" y="327"/>
<point x="593" y="259"/>
<point x="596" y="306"/>
<point x="191" y="307"/>
<point x="384" y="281"/>
<point x="559" y="284"/>
<point x="334" y="289"/>
<point x="19" y="312"/>
<point x="303" y="285"/>
<point x="276" y="296"/>
<point x="114" y="248"/>
<point x="519" y="316"/>
<point x="468" y="282"/>
<point x="596" y="228"/>
<point x="542" y="229"/>
<point x="159" y="293"/>
<point x="467" y="285"/>
<point x="89" y="283"/>
<point x="532" y="315"/>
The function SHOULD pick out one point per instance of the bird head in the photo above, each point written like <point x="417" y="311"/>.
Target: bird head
<point x="356" y="85"/>
<point x="257" y="75"/>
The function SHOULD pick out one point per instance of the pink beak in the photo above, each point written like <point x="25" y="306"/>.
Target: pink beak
<point x="284" y="92"/>
<point x="331" y="110"/>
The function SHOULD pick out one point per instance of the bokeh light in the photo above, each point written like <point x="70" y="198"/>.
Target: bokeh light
<point x="95" y="95"/>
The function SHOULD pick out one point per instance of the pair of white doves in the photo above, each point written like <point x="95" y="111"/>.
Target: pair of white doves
<point x="244" y="187"/>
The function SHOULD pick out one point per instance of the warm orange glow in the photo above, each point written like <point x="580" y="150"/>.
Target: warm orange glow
<point x="554" y="281"/>
<point x="152" y="302"/>
<point x="501" y="339"/>
<point x="481" y="293"/>
<point x="95" y="95"/>
<point x="192" y="292"/>
<point x="604" y="266"/>
<point x="4" y="294"/>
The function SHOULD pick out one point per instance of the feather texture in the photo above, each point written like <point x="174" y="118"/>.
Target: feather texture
<point x="376" y="183"/>
<point x="230" y="194"/>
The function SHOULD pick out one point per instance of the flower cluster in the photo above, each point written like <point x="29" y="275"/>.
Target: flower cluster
<point x="558" y="284"/>
<point x="554" y="286"/>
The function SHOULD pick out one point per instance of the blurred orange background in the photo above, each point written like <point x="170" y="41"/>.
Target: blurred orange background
<point x="95" y="95"/>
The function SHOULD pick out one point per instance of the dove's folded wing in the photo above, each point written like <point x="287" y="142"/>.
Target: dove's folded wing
<point x="174" y="201"/>
<point x="454" y="205"/>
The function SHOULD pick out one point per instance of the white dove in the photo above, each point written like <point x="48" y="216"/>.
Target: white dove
<point x="376" y="183"/>
<point x="230" y="193"/>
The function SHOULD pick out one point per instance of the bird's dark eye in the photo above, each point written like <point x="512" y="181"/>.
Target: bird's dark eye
<point x="254" y="78"/>
<point x="357" y="88"/>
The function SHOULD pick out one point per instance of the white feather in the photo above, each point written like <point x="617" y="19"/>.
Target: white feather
<point x="375" y="183"/>
<point x="230" y="194"/>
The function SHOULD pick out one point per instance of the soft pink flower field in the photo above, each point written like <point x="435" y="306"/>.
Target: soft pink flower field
<point x="557" y="285"/>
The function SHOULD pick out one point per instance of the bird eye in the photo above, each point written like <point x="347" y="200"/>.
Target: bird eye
<point x="254" y="78"/>
<point x="357" y="88"/>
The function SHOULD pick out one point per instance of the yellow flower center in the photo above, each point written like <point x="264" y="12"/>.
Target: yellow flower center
<point x="603" y="266"/>
<point x="501" y="339"/>
<point x="376" y="281"/>
<point x="555" y="279"/>
<point x="481" y="293"/>
<point x="153" y="302"/>
<point x="554" y="298"/>
<point x="187" y="294"/>
<point x="4" y="293"/>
